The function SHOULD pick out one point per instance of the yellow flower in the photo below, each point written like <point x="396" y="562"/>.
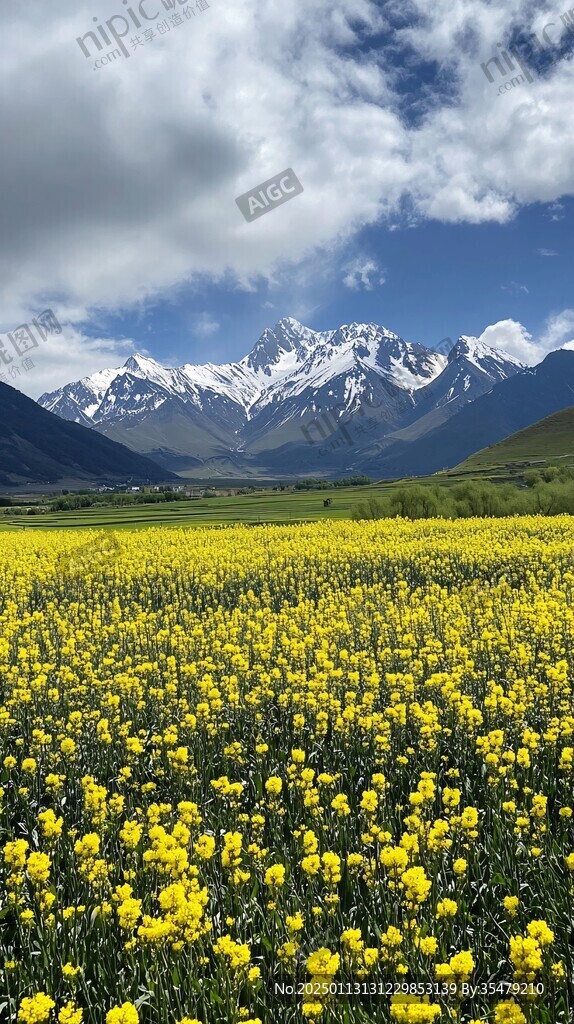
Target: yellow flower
<point x="15" y="853"/>
<point x="38" y="867"/>
<point x="129" y="912"/>
<point x="311" y="865"/>
<point x="236" y="954"/>
<point x="274" y="785"/>
<point x="407" y="1009"/>
<point x="51" y="825"/>
<point x="124" y="1014"/>
<point x="511" y="904"/>
<point x="446" y="908"/>
<point x="451" y="797"/>
<point x="340" y="804"/>
<point x="69" y="971"/>
<point x="323" y="963"/>
<point x="392" y="937"/>
<point x="394" y="859"/>
<point x="427" y="945"/>
<point x="70" y="1014"/>
<point x="331" y="868"/>
<point x="312" y="1009"/>
<point x="88" y="846"/>
<point x="526" y="956"/>
<point x="205" y="847"/>
<point x="275" y="876"/>
<point x="416" y="885"/>
<point x="35" y="1009"/>
<point x="508" y="1012"/>
<point x="287" y="950"/>
<point x="294" y="923"/>
<point x="459" y="967"/>
<point x="540" y="931"/>
<point x="310" y="842"/>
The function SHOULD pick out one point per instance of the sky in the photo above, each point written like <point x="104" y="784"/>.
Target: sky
<point x="434" y="144"/>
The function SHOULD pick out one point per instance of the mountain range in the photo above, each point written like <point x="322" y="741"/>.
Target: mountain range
<point x="510" y="406"/>
<point x="355" y="399"/>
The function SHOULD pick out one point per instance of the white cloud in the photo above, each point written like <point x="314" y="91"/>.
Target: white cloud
<point x="204" y="325"/>
<point x="121" y="181"/>
<point x="547" y="252"/>
<point x="363" y="272"/>
<point x="559" y="330"/>
<point x="515" y="288"/>
<point x="514" y="338"/>
<point x="556" y="211"/>
<point x="65" y="357"/>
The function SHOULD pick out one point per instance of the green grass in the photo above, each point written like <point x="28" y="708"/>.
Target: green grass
<point x="270" y="507"/>
<point x="548" y="440"/>
<point x="279" y="507"/>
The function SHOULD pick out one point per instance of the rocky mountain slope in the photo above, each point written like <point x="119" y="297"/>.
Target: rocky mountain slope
<point x="300" y="401"/>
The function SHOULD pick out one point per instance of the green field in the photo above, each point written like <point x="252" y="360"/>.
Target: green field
<point x="266" y="507"/>
<point x="280" y="507"/>
<point x="550" y="439"/>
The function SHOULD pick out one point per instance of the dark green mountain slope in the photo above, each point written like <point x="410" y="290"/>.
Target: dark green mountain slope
<point x="38" y="447"/>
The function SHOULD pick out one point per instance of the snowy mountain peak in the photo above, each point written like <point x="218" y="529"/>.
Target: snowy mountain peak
<point x="356" y="330"/>
<point x="471" y="348"/>
<point x="289" y="323"/>
<point x="291" y="372"/>
<point x="139" y="362"/>
<point x="280" y="348"/>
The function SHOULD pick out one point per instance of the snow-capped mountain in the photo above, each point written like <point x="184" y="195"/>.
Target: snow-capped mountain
<point x="257" y="414"/>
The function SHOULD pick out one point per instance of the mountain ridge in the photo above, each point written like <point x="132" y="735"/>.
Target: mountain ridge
<point x="254" y="415"/>
<point x="511" y="406"/>
<point x="38" y="447"/>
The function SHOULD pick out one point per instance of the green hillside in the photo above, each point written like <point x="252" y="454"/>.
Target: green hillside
<point x="547" y="440"/>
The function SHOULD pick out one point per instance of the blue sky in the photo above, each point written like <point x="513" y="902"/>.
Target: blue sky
<point x="436" y="202"/>
<point x="439" y="280"/>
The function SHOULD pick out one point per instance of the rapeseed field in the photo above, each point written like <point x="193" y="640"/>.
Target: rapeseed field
<point x="288" y="774"/>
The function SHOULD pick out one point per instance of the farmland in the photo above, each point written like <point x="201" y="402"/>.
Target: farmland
<point x="265" y="507"/>
<point x="299" y="773"/>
